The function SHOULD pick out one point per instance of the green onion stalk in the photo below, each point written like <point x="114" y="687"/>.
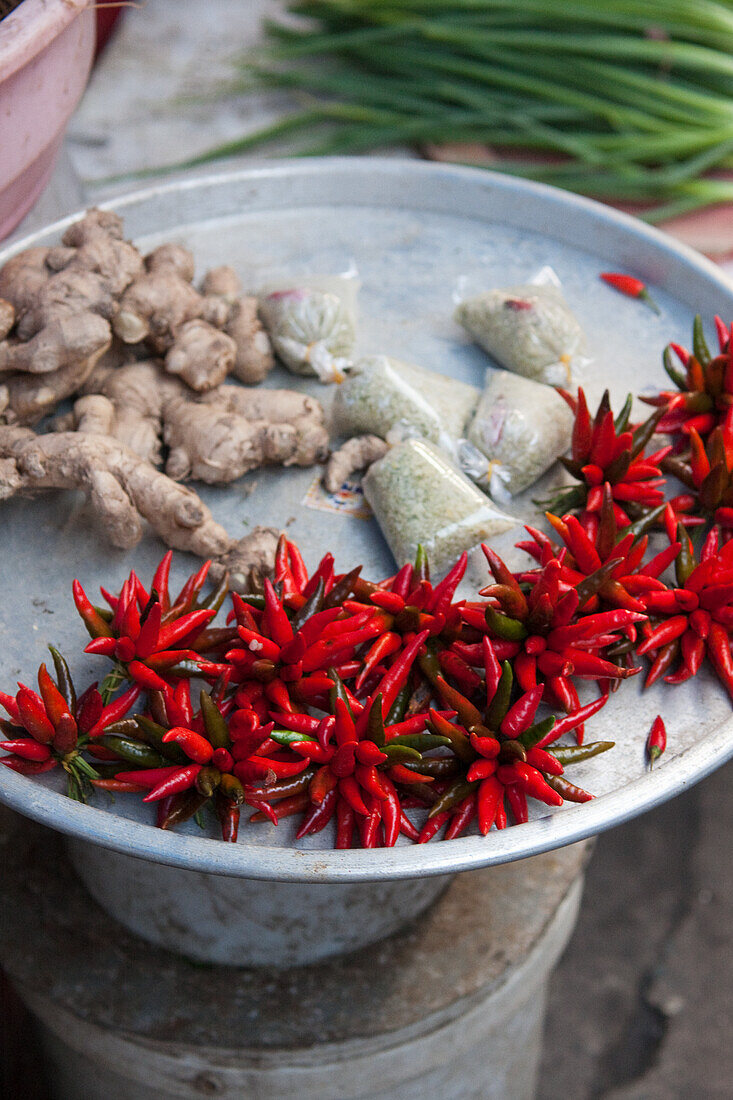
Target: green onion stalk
<point x="630" y="101"/>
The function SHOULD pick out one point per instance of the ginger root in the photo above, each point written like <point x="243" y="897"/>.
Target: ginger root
<point x="355" y="454"/>
<point x="124" y="489"/>
<point x="214" y="437"/>
<point x="203" y="336"/>
<point x="63" y="300"/>
<point x="60" y="306"/>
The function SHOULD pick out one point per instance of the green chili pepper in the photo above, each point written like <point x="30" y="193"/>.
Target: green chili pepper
<point x="573" y="754"/>
<point x="338" y="691"/>
<point x="216" y="598"/>
<point x="440" y="767"/>
<point x="153" y="734"/>
<point x="342" y="589"/>
<point x="512" y="630"/>
<point x="429" y="663"/>
<point x="617" y="470"/>
<point x="398" y="708"/>
<point x="375" y="722"/>
<point x="511" y="751"/>
<point x="215" y="724"/>
<point x="207" y="781"/>
<point x="456" y="792"/>
<point x="63" y="679"/>
<point x="126" y="727"/>
<point x="184" y="805"/>
<point x="685" y="562"/>
<point x="423" y="742"/>
<point x="134" y="752"/>
<point x="421" y="570"/>
<point x="458" y="741"/>
<point x="589" y="586"/>
<point x="623" y="417"/>
<point x="502" y="698"/>
<point x="290" y="737"/>
<point x="232" y="789"/>
<point x="699" y="343"/>
<point x="643" y="433"/>
<point x="535" y="733"/>
<point x="399" y="754"/>
<point x="645" y="524"/>
<point x="675" y="375"/>
<point x="311" y="606"/>
<point x="258" y="602"/>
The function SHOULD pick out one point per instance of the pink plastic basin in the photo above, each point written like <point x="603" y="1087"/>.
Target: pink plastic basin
<point x="46" y="49"/>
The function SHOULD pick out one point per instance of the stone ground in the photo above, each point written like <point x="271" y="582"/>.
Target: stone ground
<point x="642" y="1002"/>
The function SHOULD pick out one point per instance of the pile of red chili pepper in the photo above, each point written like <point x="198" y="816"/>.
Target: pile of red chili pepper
<point x="394" y="707"/>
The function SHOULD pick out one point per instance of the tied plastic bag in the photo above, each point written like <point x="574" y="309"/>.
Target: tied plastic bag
<point x="528" y="329"/>
<point x="312" y="325"/>
<point x="520" y="427"/>
<point x="386" y="397"/>
<point x="419" y="497"/>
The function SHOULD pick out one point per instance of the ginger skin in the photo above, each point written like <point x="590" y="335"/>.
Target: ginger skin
<point x="203" y="336"/>
<point x="355" y="454"/>
<point x="63" y="300"/>
<point x="214" y="437"/>
<point x="123" y="490"/>
<point x="60" y="306"/>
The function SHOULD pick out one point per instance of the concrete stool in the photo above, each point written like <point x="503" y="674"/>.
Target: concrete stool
<point x="450" y="1007"/>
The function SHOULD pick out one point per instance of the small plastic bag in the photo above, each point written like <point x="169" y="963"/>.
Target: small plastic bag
<point x="419" y="497"/>
<point x="385" y="397"/>
<point x="527" y="329"/>
<point x="520" y="427"/>
<point x="312" y="325"/>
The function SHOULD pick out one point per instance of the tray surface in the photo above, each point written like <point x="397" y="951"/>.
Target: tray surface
<point x="418" y="235"/>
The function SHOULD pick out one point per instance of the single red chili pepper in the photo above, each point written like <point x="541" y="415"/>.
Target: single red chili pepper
<point x="27" y="767"/>
<point x="349" y="789"/>
<point x="183" y="778"/>
<point x="288" y="807"/>
<point x="521" y="714"/>
<point x="106" y="716"/>
<point x="196" y="747"/>
<point x="393" y="680"/>
<point x="461" y="817"/>
<point x="530" y="781"/>
<point x="432" y="826"/>
<point x="517" y="804"/>
<point x="27" y="748"/>
<point x="345" y="819"/>
<point x="544" y="761"/>
<point x="32" y="715"/>
<point x="481" y="769"/>
<point x="57" y="709"/>
<point x="118" y="786"/>
<point x="93" y="621"/>
<point x="631" y="287"/>
<point x="391" y="814"/>
<point x="490" y="795"/>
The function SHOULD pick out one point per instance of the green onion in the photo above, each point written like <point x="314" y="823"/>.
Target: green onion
<point x="630" y="101"/>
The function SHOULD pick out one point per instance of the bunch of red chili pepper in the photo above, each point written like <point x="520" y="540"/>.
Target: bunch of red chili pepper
<point x="327" y="697"/>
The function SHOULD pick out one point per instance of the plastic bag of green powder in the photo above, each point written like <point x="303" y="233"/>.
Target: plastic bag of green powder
<point x="519" y="429"/>
<point x="384" y="396"/>
<point x="419" y="497"/>
<point x="312" y="325"/>
<point x="527" y="329"/>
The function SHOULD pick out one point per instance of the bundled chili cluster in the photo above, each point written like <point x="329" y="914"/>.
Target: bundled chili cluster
<point x="329" y="697"/>
<point x="393" y="707"/>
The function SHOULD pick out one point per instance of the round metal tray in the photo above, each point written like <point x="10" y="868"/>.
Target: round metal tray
<point x="418" y="235"/>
